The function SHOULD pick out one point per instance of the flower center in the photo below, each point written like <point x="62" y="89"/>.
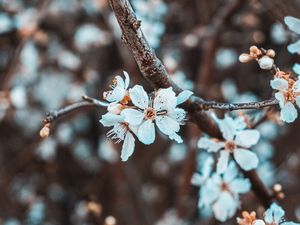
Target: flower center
<point x="224" y="187"/>
<point x="150" y="114"/>
<point x="230" y="146"/>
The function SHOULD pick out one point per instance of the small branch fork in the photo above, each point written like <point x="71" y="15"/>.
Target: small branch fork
<point x="155" y="72"/>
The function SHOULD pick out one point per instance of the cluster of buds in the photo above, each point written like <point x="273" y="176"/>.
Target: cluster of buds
<point x="265" y="58"/>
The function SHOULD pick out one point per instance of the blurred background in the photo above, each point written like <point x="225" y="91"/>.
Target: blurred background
<point x="54" y="51"/>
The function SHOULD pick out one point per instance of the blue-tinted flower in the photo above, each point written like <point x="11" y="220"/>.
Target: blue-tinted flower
<point x="288" y="94"/>
<point x="221" y="192"/>
<point x="237" y="141"/>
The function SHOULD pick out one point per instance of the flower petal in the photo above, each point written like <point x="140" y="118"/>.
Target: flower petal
<point x="209" y="192"/>
<point x="169" y="127"/>
<point x="120" y="82"/>
<point x="110" y="119"/>
<point x="139" y="97"/>
<point x="128" y="147"/>
<point x="225" y="207"/>
<point x="279" y="84"/>
<point x="184" y="96"/>
<point x="165" y="99"/>
<point x="288" y="113"/>
<point x="293" y="23"/>
<point x="294" y="48"/>
<point x="231" y="172"/>
<point x="240" y="186"/>
<point x="222" y="163"/>
<point x="247" y="138"/>
<point x="246" y="159"/>
<point x="127" y="79"/>
<point x="296" y="68"/>
<point x="209" y="145"/>
<point x="259" y="222"/>
<point x="296" y="86"/>
<point x="179" y="115"/>
<point x="115" y="95"/>
<point x="280" y="97"/>
<point x="298" y="101"/>
<point x="174" y="136"/>
<point x="227" y="126"/>
<point x="146" y="132"/>
<point x="132" y="116"/>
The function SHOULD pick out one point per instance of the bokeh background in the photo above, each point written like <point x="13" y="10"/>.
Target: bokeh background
<point x="54" y="51"/>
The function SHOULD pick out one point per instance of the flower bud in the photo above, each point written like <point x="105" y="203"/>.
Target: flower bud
<point x="271" y="53"/>
<point x="110" y="220"/>
<point x="45" y="131"/>
<point x="254" y="49"/>
<point x="265" y="63"/>
<point x="244" y="58"/>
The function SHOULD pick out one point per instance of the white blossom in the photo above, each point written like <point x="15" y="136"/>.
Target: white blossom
<point x="118" y="89"/>
<point x="162" y="110"/>
<point x="288" y="94"/>
<point x="237" y="141"/>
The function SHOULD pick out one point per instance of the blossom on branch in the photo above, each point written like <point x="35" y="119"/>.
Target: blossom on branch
<point x="288" y="95"/>
<point x="133" y="113"/>
<point x="162" y="109"/>
<point x="237" y="141"/>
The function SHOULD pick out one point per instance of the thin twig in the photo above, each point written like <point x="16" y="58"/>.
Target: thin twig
<point x="88" y="102"/>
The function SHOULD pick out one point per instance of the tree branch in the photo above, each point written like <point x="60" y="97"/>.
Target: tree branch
<point x="155" y="72"/>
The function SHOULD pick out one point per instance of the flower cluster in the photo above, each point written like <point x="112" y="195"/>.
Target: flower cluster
<point x="237" y="141"/>
<point x="220" y="192"/>
<point x="132" y="112"/>
<point x="273" y="216"/>
<point x="263" y="57"/>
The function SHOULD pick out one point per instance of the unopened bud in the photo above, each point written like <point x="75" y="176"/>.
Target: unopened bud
<point x="45" y="131"/>
<point x="244" y="58"/>
<point x="110" y="220"/>
<point x="277" y="187"/>
<point x="266" y="63"/>
<point x="254" y="49"/>
<point x="271" y="53"/>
